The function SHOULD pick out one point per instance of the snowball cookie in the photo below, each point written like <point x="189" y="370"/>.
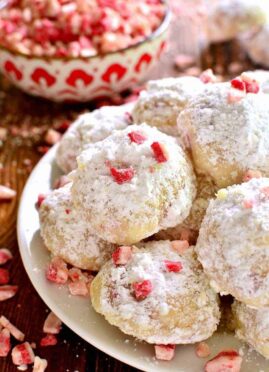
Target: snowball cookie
<point x="158" y="296"/>
<point x="133" y="184"/>
<point x="252" y="326"/>
<point x="67" y="234"/>
<point x="90" y="128"/>
<point x="233" y="243"/>
<point x="226" y="139"/>
<point x="256" y="45"/>
<point x="227" y="18"/>
<point x="206" y="190"/>
<point x="163" y="100"/>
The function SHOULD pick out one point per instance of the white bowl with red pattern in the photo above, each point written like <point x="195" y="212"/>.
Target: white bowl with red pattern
<point x="82" y="79"/>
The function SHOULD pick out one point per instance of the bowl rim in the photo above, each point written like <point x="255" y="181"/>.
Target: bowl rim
<point x="155" y="34"/>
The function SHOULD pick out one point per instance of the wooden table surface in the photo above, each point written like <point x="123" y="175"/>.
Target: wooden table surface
<point x="27" y="119"/>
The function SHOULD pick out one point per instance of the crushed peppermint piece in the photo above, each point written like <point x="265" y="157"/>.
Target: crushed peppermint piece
<point x="22" y="354"/>
<point x="7" y="292"/>
<point x="122" y="175"/>
<point x="57" y="271"/>
<point x="251" y="174"/>
<point x="208" y="76"/>
<point x="238" y="83"/>
<point x="14" y="331"/>
<point x="172" y="266"/>
<point x="248" y="204"/>
<point x="78" y="288"/>
<point x="165" y="352"/>
<point x="142" y="289"/>
<point x="48" y="340"/>
<point x="39" y="364"/>
<point x="5" y="345"/>
<point x="137" y="137"/>
<point x="5" y="255"/>
<point x="4" y="276"/>
<point x="227" y="360"/>
<point x="52" y="324"/>
<point x="160" y="152"/>
<point x="6" y="193"/>
<point x="180" y="245"/>
<point x="40" y="199"/>
<point x="202" y="350"/>
<point x="122" y="255"/>
<point x="52" y="137"/>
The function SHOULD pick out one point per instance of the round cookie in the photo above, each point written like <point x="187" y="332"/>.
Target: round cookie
<point x="133" y="184"/>
<point x="226" y="139"/>
<point x="256" y="45"/>
<point x="90" y="128"/>
<point x="191" y="225"/>
<point x="228" y="18"/>
<point x="233" y="242"/>
<point x="67" y="234"/>
<point x="252" y="326"/>
<point x="158" y="296"/>
<point x="162" y="101"/>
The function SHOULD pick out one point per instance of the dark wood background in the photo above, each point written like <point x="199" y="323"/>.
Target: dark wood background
<point x="27" y="120"/>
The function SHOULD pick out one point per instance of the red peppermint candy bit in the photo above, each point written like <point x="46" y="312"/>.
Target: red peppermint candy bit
<point x="22" y="354"/>
<point x="251" y="174"/>
<point x="122" y="255"/>
<point x="173" y="266"/>
<point x="52" y="137"/>
<point x="57" y="271"/>
<point x="68" y="211"/>
<point x="7" y="292"/>
<point x="78" y="288"/>
<point x="252" y="87"/>
<point x="202" y="350"/>
<point x="4" y="276"/>
<point x="122" y="175"/>
<point x="5" y="255"/>
<point x="160" y="152"/>
<point x="39" y="364"/>
<point x="228" y="360"/>
<point x="248" y="204"/>
<point x="15" y="332"/>
<point x="208" y="76"/>
<point x="180" y="246"/>
<point x="75" y="274"/>
<point x="40" y="199"/>
<point x="4" y="342"/>
<point x="142" y="289"/>
<point x="137" y="137"/>
<point x="52" y="324"/>
<point x="48" y="340"/>
<point x="238" y="83"/>
<point x="165" y="352"/>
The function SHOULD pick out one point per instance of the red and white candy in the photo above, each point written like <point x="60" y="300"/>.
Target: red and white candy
<point x="165" y="352"/>
<point x="227" y="360"/>
<point x="52" y="324"/>
<point x="22" y="354"/>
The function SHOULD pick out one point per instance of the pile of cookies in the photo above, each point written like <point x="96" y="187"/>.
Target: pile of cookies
<point x="168" y="200"/>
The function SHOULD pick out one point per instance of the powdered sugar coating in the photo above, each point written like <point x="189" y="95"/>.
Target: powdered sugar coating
<point x="252" y="326"/>
<point x="158" y="196"/>
<point x="205" y="191"/>
<point x="181" y="309"/>
<point x="256" y="46"/>
<point x="90" y="128"/>
<point x="233" y="243"/>
<point x="67" y="234"/>
<point x="228" y="18"/>
<point x="163" y="100"/>
<point x="226" y="139"/>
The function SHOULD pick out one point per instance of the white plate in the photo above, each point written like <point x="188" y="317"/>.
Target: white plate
<point x="77" y="312"/>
